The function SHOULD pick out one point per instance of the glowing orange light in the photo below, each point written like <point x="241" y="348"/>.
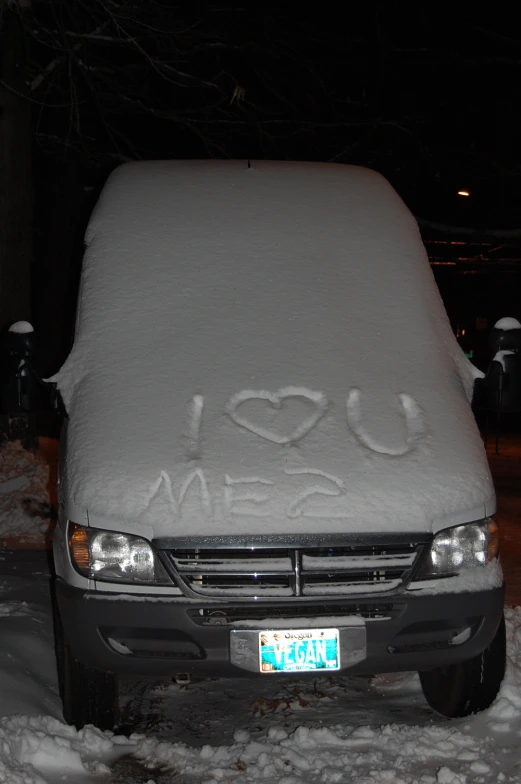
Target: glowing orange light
<point x="79" y="546"/>
<point x="463" y="193"/>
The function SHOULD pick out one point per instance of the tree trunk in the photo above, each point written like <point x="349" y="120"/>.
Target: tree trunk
<point x="15" y="174"/>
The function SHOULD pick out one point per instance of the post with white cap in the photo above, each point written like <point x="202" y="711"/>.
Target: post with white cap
<point x="23" y="394"/>
<point x="501" y="387"/>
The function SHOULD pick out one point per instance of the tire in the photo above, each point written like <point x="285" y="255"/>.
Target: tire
<point x="467" y="687"/>
<point x="88" y="696"/>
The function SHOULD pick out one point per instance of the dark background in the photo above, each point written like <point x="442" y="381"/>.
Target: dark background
<point x="428" y="94"/>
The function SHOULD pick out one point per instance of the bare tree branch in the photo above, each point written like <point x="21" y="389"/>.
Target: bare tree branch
<point x="49" y="68"/>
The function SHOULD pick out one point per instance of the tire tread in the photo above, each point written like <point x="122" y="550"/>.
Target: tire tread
<point x="467" y="687"/>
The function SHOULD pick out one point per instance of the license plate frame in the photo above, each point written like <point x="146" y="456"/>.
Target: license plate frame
<point x="299" y="650"/>
<point x="245" y="653"/>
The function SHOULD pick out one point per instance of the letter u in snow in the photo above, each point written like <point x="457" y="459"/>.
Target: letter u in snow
<point x="414" y="423"/>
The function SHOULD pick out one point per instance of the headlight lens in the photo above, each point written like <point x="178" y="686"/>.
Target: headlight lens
<point x="462" y="547"/>
<point x="114" y="557"/>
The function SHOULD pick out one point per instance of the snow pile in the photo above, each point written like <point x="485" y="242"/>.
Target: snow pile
<point x="39" y="746"/>
<point x="27" y="663"/>
<point x="40" y="742"/>
<point x="264" y="349"/>
<point x="507" y="707"/>
<point x="328" y="754"/>
<point x="24" y="492"/>
<point x="13" y="773"/>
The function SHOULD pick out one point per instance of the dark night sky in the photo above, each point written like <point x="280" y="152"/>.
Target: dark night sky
<point x="429" y="101"/>
<point x="425" y="93"/>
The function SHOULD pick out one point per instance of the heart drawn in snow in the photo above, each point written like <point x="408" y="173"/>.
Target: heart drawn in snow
<point x="275" y="399"/>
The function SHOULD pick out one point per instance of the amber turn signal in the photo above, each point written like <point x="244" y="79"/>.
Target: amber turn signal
<point x="79" y="547"/>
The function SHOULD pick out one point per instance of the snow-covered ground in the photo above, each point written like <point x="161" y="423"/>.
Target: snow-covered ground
<point x="371" y="731"/>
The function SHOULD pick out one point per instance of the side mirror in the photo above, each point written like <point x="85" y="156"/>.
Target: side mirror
<point x="500" y="390"/>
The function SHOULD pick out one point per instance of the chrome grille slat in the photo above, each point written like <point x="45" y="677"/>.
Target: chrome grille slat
<point x="346" y="589"/>
<point x="233" y="567"/>
<point x="218" y="573"/>
<point x="291" y="572"/>
<point x="246" y="591"/>
<point x="311" y="562"/>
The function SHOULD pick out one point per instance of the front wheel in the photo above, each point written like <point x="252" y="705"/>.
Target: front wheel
<point x="88" y="696"/>
<point x="470" y="686"/>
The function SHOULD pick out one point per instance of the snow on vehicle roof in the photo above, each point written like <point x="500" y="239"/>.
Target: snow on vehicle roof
<point x="263" y="349"/>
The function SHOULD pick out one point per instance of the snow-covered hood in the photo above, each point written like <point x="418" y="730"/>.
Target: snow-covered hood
<point x="264" y="350"/>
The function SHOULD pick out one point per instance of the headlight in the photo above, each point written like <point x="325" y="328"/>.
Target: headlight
<point x="114" y="557"/>
<point x="462" y="547"/>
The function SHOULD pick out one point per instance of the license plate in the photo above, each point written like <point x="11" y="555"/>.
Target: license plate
<point x="299" y="650"/>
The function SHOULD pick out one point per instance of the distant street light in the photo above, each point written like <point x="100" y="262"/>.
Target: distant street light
<point x="463" y="193"/>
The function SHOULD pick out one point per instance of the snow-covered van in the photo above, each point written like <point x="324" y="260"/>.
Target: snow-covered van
<point x="270" y="464"/>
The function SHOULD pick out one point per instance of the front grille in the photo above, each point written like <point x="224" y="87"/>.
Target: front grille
<point x="258" y="572"/>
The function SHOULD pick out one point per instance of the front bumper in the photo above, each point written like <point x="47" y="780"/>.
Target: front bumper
<point x="158" y="636"/>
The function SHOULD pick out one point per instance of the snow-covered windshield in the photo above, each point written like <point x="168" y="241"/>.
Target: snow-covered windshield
<point x="264" y="349"/>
